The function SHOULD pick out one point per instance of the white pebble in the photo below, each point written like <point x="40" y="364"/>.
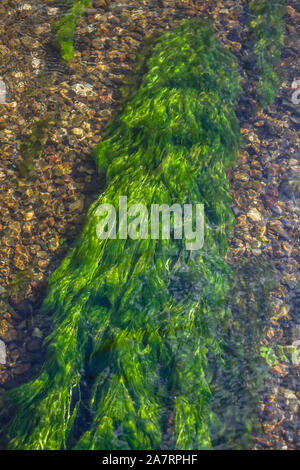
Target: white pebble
<point x="25" y="7"/>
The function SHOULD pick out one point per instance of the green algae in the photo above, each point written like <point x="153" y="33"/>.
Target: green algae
<point x="138" y="319"/>
<point x="268" y="30"/>
<point x="33" y="144"/>
<point x="65" y="27"/>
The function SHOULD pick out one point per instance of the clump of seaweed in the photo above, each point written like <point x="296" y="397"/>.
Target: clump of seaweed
<point x="137" y="319"/>
<point x="33" y="144"/>
<point x="268" y="30"/>
<point x="65" y="27"/>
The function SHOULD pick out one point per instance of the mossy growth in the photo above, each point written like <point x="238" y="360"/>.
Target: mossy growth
<point x="65" y="27"/>
<point x="20" y="282"/>
<point x="33" y="144"/>
<point x="268" y="27"/>
<point x="134" y="321"/>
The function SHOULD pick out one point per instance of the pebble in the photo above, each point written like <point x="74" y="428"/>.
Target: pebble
<point x="37" y="333"/>
<point x="77" y="206"/>
<point x="25" y="7"/>
<point x="254" y="215"/>
<point x="22" y="325"/>
<point x="36" y="63"/>
<point x="78" y="132"/>
<point x="29" y="215"/>
<point x="52" y="11"/>
<point x="33" y="345"/>
<point x="7" y="331"/>
<point x="82" y="89"/>
<point x="20" y="369"/>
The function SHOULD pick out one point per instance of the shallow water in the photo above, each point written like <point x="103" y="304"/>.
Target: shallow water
<point x="235" y="385"/>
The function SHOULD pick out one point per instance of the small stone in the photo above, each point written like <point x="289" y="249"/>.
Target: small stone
<point x="14" y="355"/>
<point x="22" y="325"/>
<point x="33" y="345"/>
<point x="280" y="369"/>
<point x="290" y="395"/>
<point x="287" y="248"/>
<point x="82" y="89"/>
<point x="36" y="62"/>
<point x="236" y="210"/>
<point x="284" y="312"/>
<point x="52" y="11"/>
<point x="7" y="331"/>
<point x="295" y="120"/>
<point x="42" y="254"/>
<point x="241" y="176"/>
<point x="254" y="215"/>
<point x="25" y="7"/>
<point x="78" y="132"/>
<point x="21" y="368"/>
<point x="43" y="263"/>
<point x="77" y="205"/>
<point x="37" y="333"/>
<point x="53" y="244"/>
<point x="29" y="215"/>
<point x="4" y="377"/>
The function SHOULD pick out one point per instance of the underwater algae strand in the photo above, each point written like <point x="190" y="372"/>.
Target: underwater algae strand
<point x="65" y="27"/>
<point x="268" y="27"/>
<point x="138" y="318"/>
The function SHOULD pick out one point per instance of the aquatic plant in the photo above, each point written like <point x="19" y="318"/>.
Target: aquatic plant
<point x="268" y="30"/>
<point x="65" y="27"/>
<point x="32" y="146"/>
<point x="135" y="320"/>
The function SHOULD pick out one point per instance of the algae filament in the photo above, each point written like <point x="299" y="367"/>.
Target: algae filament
<point x="268" y="29"/>
<point x="65" y="27"/>
<point x="135" y="320"/>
